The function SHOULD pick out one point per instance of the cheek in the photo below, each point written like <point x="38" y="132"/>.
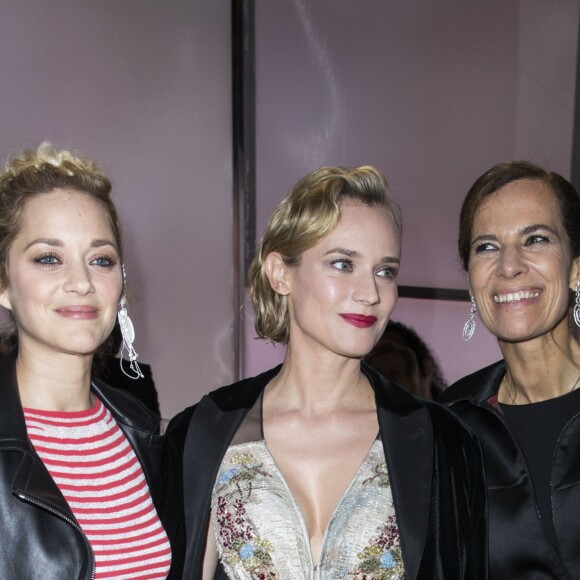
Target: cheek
<point x="111" y="290"/>
<point x="331" y="290"/>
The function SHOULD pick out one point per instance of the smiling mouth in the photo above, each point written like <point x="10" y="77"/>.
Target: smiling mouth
<point x="515" y="296"/>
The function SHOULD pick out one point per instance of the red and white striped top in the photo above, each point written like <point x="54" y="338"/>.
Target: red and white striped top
<point x="97" y="471"/>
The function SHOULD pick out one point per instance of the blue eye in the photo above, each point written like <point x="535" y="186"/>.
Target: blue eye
<point x="48" y="259"/>
<point x="103" y="262"/>
<point x="390" y="273"/>
<point x="342" y="265"/>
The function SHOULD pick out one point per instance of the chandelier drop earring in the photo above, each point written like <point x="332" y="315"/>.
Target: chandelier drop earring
<point x="577" y="305"/>
<point x="469" y="327"/>
<point x="128" y="334"/>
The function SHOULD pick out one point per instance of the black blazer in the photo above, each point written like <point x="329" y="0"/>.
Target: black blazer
<point x="434" y="464"/>
<point x="518" y="545"/>
<point x="40" y="537"/>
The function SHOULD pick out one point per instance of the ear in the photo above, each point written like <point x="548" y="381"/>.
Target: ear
<point x="575" y="273"/>
<point x="277" y="272"/>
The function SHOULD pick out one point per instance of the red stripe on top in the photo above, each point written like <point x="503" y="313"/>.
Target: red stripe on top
<point x="95" y="474"/>
<point x="132" y="516"/>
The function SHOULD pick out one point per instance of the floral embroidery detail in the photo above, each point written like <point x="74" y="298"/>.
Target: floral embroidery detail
<point x="245" y="468"/>
<point x="382" y="559"/>
<point x="240" y="543"/>
<point x="381" y="475"/>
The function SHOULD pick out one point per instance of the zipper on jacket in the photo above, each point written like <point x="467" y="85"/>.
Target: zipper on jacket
<point x="68" y="520"/>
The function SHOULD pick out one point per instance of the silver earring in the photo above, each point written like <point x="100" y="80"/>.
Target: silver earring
<point x="469" y="327"/>
<point x="577" y="305"/>
<point x="128" y="334"/>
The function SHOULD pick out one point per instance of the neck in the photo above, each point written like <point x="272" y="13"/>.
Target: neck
<point x="55" y="383"/>
<point x="319" y="387"/>
<point x="541" y="369"/>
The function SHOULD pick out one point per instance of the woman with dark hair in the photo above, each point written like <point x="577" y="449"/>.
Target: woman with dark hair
<point x="77" y="458"/>
<point x="321" y="468"/>
<point x="519" y="241"/>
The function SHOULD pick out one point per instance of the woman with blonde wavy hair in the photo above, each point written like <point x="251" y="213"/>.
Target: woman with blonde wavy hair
<point x="321" y="468"/>
<point x="77" y="457"/>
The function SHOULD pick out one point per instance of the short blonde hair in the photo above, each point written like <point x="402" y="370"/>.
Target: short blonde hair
<point x="33" y="173"/>
<point x="309" y="213"/>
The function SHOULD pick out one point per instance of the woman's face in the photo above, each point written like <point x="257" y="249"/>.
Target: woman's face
<point x="343" y="291"/>
<point x="64" y="275"/>
<point x="520" y="267"/>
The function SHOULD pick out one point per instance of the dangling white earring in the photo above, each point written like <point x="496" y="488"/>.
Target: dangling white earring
<point x="128" y="334"/>
<point x="577" y="305"/>
<point x="469" y="327"/>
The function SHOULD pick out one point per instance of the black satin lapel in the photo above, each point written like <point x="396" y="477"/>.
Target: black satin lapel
<point x="212" y="427"/>
<point x="408" y="443"/>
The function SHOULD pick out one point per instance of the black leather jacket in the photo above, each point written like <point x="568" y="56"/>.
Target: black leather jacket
<point x="519" y="547"/>
<point x="39" y="536"/>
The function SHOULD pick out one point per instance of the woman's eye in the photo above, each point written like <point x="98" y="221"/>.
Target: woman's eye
<point x="342" y="265"/>
<point x="484" y="247"/>
<point x="103" y="262"/>
<point x="47" y="259"/>
<point x="536" y="239"/>
<point x="390" y="273"/>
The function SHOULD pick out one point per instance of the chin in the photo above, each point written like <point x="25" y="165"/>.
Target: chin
<point x="82" y="347"/>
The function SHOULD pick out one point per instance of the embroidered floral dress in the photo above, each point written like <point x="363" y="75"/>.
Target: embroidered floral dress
<point x="261" y="534"/>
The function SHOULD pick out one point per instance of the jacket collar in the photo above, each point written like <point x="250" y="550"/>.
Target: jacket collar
<point x="213" y="425"/>
<point x="478" y="388"/>
<point x="13" y="427"/>
<point x="407" y="439"/>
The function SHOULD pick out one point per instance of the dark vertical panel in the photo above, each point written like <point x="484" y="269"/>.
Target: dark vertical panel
<point x="244" y="155"/>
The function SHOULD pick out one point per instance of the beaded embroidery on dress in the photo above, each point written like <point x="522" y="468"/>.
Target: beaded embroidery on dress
<point x="261" y="534"/>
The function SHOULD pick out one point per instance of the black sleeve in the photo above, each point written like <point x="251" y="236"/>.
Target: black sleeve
<point x="457" y="540"/>
<point x="170" y="489"/>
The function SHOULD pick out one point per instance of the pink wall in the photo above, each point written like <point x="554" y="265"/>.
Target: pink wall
<point x="143" y="86"/>
<point x="433" y="93"/>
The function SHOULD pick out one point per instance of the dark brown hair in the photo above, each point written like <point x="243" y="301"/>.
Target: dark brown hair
<point x="502" y="174"/>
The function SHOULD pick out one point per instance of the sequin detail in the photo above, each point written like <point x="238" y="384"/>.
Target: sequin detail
<point x="261" y="534"/>
<point x="382" y="559"/>
<point x="240" y="544"/>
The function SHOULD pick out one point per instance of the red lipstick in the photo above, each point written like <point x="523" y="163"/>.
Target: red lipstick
<point x="359" y="320"/>
<point x="78" y="312"/>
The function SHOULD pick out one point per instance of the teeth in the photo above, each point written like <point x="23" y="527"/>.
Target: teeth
<point x="515" y="296"/>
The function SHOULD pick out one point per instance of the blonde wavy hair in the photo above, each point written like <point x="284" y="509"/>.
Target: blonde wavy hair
<point x="33" y="173"/>
<point x="309" y="213"/>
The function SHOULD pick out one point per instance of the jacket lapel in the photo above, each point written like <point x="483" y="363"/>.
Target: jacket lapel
<point x="32" y="480"/>
<point x="407" y="438"/>
<point x="213" y="425"/>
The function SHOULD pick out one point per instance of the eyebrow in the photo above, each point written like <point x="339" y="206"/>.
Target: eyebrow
<point x="524" y="231"/>
<point x="60" y="244"/>
<point x="355" y="254"/>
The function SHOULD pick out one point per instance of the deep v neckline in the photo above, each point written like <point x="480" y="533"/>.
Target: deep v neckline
<point x="258" y="524"/>
<point x="296" y="504"/>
